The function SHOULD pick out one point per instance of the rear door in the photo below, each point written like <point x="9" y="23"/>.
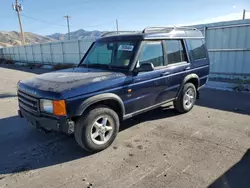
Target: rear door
<point x="176" y="67"/>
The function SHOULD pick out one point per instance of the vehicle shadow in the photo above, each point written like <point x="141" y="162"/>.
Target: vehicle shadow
<point x="238" y="176"/>
<point x="236" y="102"/>
<point x="159" y="113"/>
<point x="7" y="95"/>
<point x="29" y="69"/>
<point x="23" y="148"/>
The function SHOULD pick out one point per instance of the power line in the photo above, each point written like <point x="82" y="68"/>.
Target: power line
<point x="72" y="26"/>
<point x="98" y="25"/>
<point x="43" y="21"/>
<point x="61" y="25"/>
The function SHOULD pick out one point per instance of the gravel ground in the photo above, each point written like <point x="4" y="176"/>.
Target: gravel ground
<point x="207" y="147"/>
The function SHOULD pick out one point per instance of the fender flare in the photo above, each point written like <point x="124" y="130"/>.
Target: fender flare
<point x="98" y="98"/>
<point x="186" y="79"/>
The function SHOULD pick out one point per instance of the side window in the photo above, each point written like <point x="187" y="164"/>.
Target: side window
<point x="197" y="49"/>
<point x="152" y="52"/>
<point x="175" y="51"/>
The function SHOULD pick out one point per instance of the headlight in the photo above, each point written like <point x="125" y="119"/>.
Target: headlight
<point x="46" y="106"/>
<point x="57" y="108"/>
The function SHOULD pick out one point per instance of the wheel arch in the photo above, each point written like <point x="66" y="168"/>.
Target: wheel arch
<point x="191" y="78"/>
<point x="110" y="99"/>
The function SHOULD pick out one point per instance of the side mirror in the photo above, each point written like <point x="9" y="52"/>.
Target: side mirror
<point x="145" y="67"/>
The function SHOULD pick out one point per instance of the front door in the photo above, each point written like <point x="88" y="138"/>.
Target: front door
<point x="146" y="85"/>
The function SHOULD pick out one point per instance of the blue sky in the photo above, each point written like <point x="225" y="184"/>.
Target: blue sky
<point x="46" y="16"/>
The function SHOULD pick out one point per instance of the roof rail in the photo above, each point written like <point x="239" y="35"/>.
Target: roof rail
<point x="162" y="29"/>
<point x="117" y="32"/>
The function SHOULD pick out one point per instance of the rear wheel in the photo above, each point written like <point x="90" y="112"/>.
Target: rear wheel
<point x="97" y="129"/>
<point x="186" y="98"/>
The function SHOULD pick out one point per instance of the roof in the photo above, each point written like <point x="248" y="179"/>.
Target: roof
<point x="152" y="33"/>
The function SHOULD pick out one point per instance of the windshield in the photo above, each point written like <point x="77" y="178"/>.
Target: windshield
<point x="117" y="54"/>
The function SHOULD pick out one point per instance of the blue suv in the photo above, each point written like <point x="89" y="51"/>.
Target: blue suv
<point x="121" y="75"/>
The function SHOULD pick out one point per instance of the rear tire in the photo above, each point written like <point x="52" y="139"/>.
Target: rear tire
<point x="186" y="99"/>
<point x="97" y="128"/>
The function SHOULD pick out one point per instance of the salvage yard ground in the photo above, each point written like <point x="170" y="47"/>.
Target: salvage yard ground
<point x="208" y="147"/>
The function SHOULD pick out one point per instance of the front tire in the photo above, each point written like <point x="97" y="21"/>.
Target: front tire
<point x="97" y="128"/>
<point x="186" y="99"/>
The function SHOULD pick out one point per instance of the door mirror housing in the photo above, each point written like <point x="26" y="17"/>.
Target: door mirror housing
<point x="146" y="67"/>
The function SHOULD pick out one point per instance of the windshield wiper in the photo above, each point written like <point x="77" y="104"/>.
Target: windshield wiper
<point x="99" y="65"/>
<point x="106" y="66"/>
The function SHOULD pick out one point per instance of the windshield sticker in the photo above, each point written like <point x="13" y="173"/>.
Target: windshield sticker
<point x="126" y="48"/>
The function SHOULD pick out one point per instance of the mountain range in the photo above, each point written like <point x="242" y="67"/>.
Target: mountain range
<point x="12" y="38"/>
<point x="79" y="34"/>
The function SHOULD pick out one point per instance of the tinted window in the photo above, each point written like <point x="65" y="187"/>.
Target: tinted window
<point x="152" y="52"/>
<point x="175" y="51"/>
<point x="197" y="49"/>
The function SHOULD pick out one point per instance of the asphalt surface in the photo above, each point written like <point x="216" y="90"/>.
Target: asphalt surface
<point x="207" y="147"/>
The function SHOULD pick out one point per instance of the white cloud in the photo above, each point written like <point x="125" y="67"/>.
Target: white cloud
<point x="234" y="6"/>
<point x="228" y="17"/>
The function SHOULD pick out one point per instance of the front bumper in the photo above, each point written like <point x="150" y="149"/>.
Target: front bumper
<point x="60" y="124"/>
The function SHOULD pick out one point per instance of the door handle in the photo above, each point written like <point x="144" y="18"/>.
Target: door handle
<point x="165" y="73"/>
<point x="187" y="68"/>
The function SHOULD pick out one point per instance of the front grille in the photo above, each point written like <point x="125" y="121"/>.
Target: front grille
<point x="28" y="102"/>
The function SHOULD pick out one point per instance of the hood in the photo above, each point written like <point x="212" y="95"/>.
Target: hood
<point x="73" y="82"/>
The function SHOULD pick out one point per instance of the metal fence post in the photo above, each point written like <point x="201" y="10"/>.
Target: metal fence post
<point x="19" y="55"/>
<point x="11" y="53"/>
<point x="25" y="51"/>
<point x="41" y="49"/>
<point x="79" y="50"/>
<point x="33" y="57"/>
<point x="62" y="52"/>
<point x="51" y="53"/>
<point x="204" y="32"/>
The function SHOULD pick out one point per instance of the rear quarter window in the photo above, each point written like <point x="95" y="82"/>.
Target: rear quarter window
<point x="197" y="49"/>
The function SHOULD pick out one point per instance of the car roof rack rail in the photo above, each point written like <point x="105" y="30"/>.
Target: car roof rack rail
<point x="118" y="32"/>
<point x="164" y="29"/>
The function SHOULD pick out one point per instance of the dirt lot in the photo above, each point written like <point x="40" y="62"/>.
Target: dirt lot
<point x="208" y="147"/>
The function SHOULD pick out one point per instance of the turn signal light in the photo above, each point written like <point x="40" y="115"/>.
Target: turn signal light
<point x="59" y="108"/>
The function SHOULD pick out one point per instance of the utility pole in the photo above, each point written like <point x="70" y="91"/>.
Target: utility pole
<point x="68" y="17"/>
<point x="244" y="14"/>
<point x="18" y="7"/>
<point x="117" y="26"/>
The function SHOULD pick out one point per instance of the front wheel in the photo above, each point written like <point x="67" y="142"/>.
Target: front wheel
<point x="186" y="98"/>
<point x="97" y="129"/>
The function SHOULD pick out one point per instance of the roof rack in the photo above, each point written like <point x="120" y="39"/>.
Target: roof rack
<point x="162" y="29"/>
<point x="148" y="30"/>
<point x="117" y="32"/>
